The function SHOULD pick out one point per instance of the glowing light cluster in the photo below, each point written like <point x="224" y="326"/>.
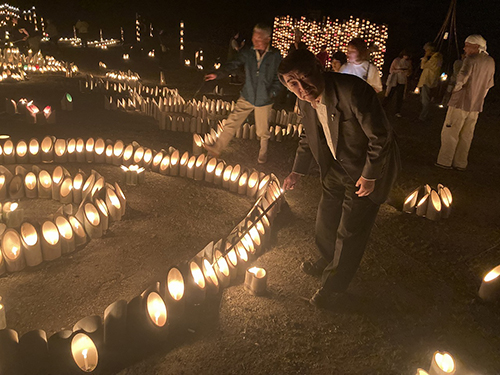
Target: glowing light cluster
<point x="334" y="34"/>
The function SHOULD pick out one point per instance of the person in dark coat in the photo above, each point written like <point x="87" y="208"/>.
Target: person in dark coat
<point x="349" y="136"/>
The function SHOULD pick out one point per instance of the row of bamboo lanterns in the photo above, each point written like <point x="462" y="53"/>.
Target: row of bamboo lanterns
<point x="429" y="203"/>
<point x="162" y="312"/>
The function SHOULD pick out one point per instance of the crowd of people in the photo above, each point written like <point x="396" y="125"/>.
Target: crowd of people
<point x="348" y="134"/>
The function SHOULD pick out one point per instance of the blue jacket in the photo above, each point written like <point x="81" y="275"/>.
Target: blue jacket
<point x="261" y="84"/>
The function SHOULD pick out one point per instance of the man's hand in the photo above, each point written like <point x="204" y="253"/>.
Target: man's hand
<point x="210" y="77"/>
<point x="365" y="187"/>
<point x="291" y="180"/>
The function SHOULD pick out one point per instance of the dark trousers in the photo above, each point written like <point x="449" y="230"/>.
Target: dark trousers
<point x="343" y="225"/>
<point x="398" y="91"/>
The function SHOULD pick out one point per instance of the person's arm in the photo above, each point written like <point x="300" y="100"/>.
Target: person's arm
<point x="374" y="78"/>
<point x="303" y="155"/>
<point x="228" y="67"/>
<point x="464" y="74"/>
<point x="276" y="85"/>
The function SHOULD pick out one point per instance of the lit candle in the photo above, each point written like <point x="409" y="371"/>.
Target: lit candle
<point x="34" y="151"/>
<point x="60" y="147"/>
<point x="12" y="214"/>
<point x="253" y="184"/>
<point x="13" y="251"/>
<point x="22" y="152"/>
<point x="47" y="149"/>
<point x="490" y="285"/>
<point x="92" y="221"/>
<point x="99" y="151"/>
<point x="80" y="150"/>
<point x="256" y="281"/>
<point x="175" y="284"/>
<point x="44" y="185"/>
<point x="174" y="163"/>
<point x="442" y="364"/>
<point x="190" y="167"/>
<point x="84" y="352"/>
<point x="31" y="244"/>
<point x="30" y="185"/>
<point x="210" y="277"/>
<point x="51" y="245"/>
<point x="118" y="149"/>
<point x="66" y="233"/>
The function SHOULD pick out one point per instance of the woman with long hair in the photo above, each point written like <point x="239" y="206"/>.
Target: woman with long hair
<point x="358" y="64"/>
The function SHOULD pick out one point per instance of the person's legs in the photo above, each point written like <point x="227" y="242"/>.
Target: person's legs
<point x="262" y="129"/>
<point x="450" y="134"/>
<point x="388" y="97"/>
<point x="425" y="95"/>
<point x="465" y="140"/>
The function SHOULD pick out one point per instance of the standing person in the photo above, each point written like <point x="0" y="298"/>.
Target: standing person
<point x="349" y="136"/>
<point x="431" y="69"/>
<point x="322" y="56"/>
<point x="473" y="82"/>
<point x="261" y="87"/>
<point x="82" y="28"/>
<point x="297" y="41"/>
<point x="358" y="64"/>
<point x="53" y="35"/>
<point x="399" y="72"/>
<point x="234" y="47"/>
<point x="19" y="33"/>
<point x="164" y="52"/>
<point x="339" y="58"/>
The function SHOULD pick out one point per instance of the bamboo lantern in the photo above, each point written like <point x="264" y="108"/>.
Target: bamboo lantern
<point x="89" y="150"/>
<point x="92" y="221"/>
<point x="78" y="231"/>
<point x="447" y="199"/>
<point x="175" y="287"/>
<point x="115" y="327"/>
<point x="33" y="346"/>
<point x="242" y="183"/>
<point x="174" y="163"/>
<point x="183" y="164"/>
<point x="51" y="243"/>
<point x="57" y="180"/>
<point x="232" y="262"/>
<point x="20" y="170"/>
<point x="3" y="187"/>
<point x="490" y="286"/>
<point x="77" y="188"/>
<point x="67" y="102"/>
<point x="233" y="181"/>
<point x="80" y="151"/>
<point x="12" y="214"/>
<point x="67" y="236"/>
<point x="248" y="244"/>
<point x="113" y="205"/>
<point x="221" y="269"/>
<point x="263" y="225"/>
<point x="256" y="281"/>
<point x="99" y="151"/>
<point x="30" y="183"/>
<point x="13" y="251"/>
<point x="156" y="309"/>
<point x="165" y="165"/>
<point x="9" y="155"/>
<point x="118" y="149"/>
<point x="197" y="144"/>
<point x="103" y="213"/>
<point x="434" y="207"/>
<point x="97" y="188"/>
<point x="71" y="150"/>
<point x="157" y="159"/>
<point x="190" y="167"/>
<point x="87" y="186"/>
<point x="121" y="197"/>
<point x="410" y="202"/>
<point x="109" y="154"/>
<point x="47" y="149"/>
<point x="210" y="277"/>
<point x="16" y="187"/>
<point x="147" y="158"/>
<point x="34" y="151"/>
<point x="44" y="185"/>
<point x="442" y="364"/>
<point x="49" y="114"/>
<point x="255" y="236"/>
<point x="226" y="176"/>
<point x="138" y="156"/>
<point x="31" y="244"/>
<point x="22" y="155"/>
<point x="9" y="352"/>
<point x="128" y="155"/>
<point x="263" y="185"/>
<point x="253" y="184"/>
<point x="199" y="168"/>
<point x="66" y="191"/>
<point x="196" y="284"/>
<point x="210" y="169"/>
<point x="84" y="352"/>
<point x="60" y="151"/>
<point x="243" y="257"/>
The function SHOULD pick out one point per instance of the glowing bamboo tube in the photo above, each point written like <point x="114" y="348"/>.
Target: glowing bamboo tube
<point x="242" y="183"/>
<point x="71" y="150"/>
<point x="12" y="214"/>
<point x="226" y="176"/>
<point x="16" y="187"/>
<point x="89" y="150"/>
<point x="80" y="150"/>
<point x="34" y="151"/>
<point x="165" y="165"/>
<point x="44" y="185"/>
<point x="118" y="149"/>
<point x="156" y="309"/>
<point x="490" y="285"/>
<point x="66" y="191"/>
<point x="13" y="251"/>
<point x="67" y="237"/>
<point x="183" y="164"/>
<point x="210" y="277"/>
<point x="434" y="207"/>
<point x="263" y="185"/>
<point x="9" y="155"/>
<point x="84" y="352"/>
<point x="3" y="187"/>
<point x="22" y="152"/>
<point x="410" y="202"/>
<point x="190" y="167"/>
<point x="156" y="162"/>
<point x="31" y="244"/>
<point x="103" y="213"/>
<point x="219" y="173"/>
<point x="138" y="156"/>
<point x="92" y="221"/>
<point x="197" y="144"/>
<point x="78" y="231"/>
<point x="77" y="188"/>
<point x="60" y="151"/>
<point x="87" y="186"/>
<point x="256" y="281"/>
<point x="442" y="364"/>
<point x="210" y="169"/>
<point x="128" y="155"/>
<point x="221" y="269"/>
<point x="175" y="284"/>
<point x="232" y="262"/>
<point x="47" y="149"/>
<point x="121" y="197"/>
<point x="99" y="155"/>
<point x="196" y="284"/>
<point x="174" y="163"/>
<point x="108" y="154"/>
<point x="253" y="184"/>
<point x="51" y="244"/>
<point x="147" y="159"/>
<point x="113" y="205"/>
<point x="30" y="185"/>
<point x="235" y="176"/>
<point x="57" y="180"/>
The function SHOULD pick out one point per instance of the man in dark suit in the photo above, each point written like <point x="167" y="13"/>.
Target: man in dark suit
<point x="349" y="136"/>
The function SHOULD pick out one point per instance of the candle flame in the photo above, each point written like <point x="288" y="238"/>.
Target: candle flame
<point x="493" y="274"/>
<point x="258" y="272"/>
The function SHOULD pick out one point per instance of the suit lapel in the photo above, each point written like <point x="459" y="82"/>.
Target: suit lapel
<point x="333" y="112"/>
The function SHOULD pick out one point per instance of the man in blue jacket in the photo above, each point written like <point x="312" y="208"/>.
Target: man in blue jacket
<point x="261" y="63"/>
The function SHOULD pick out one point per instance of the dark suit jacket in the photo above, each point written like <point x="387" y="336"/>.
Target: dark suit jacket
<point x="361" y="134"/>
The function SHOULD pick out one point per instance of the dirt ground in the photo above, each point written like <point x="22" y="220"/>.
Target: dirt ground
<point x="414" y="293"/>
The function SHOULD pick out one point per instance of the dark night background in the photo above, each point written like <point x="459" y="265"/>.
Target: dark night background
<point x="411" y="23"/>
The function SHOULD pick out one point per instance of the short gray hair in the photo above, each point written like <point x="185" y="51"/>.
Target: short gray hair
<point x="263" y="28"/>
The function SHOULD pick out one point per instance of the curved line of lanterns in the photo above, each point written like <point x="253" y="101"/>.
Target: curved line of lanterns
<point x="160" y="312"/>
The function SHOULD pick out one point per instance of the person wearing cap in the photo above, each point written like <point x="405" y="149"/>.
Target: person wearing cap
<point x="473" y="82"/>
<point x="348" y="134"/>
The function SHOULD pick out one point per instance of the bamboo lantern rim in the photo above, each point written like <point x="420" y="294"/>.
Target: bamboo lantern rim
<point x="64" y="227"/>
<point x="99" y="146"/>
<point x="92" y="214"/>
<point x="128" y="152"/>
<point x="30" y="180"/>
<point x="436" y="201"/>
<point x="158" y="158"/>
<point x="84" y="352"/>
<point x="174" y="158"/>
<point x="77" y="226"/>
<point x="184" y="158"/>
<point x="45" y="179"/>
<point x="157" y="309"/>
<point x="89" y="145"/>
<point x="197" y="274"/>
<point x="34" y="146"/>
<point x="138" y="155"/>
<point x="21" y="148"/>
<point x="29" y="234"/>
<point x="175" y="284"/>
<point x="11" y="244"/>
<point x="258" y="272"/>
<point x="58" y="174"/>
<point x="46" y="144"/>
<point x="148" y="155"/>
<point x="80" y="145"/>
<point x="235" y="174"/>
<point x="118" y="148"/>
<point x="492" y="275"/>
<point x="50" y="232"/>
<point x="191" y="162"/>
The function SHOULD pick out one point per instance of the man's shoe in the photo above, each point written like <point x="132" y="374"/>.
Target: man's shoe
<point x="459" y="169"/>
<point x="323" y="299"/>
<point x="311" y="269"/>
<point x="442" y="166"/>
<point x="398" y="115"/>
<point x="211" y="150"/>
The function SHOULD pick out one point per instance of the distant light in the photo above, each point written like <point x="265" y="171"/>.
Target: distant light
<point x="444" y="76"/>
